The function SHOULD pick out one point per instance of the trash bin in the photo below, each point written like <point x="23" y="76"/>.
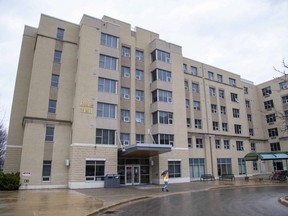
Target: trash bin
<point x="111" y="181"/>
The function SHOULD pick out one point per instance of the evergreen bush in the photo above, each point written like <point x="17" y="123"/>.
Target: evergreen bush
<point x="9" y="181"/>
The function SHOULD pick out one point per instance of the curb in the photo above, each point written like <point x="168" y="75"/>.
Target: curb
<point x="284" y="200"/>
<point x="103" y="209"/>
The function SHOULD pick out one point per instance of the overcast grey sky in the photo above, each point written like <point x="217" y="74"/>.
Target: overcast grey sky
<point x="246" y="37"/>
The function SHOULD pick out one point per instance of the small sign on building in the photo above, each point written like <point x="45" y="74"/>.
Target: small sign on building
<point x="26" y="173"/>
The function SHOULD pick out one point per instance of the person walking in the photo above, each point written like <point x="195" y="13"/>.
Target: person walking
<point x="166" y="180"/>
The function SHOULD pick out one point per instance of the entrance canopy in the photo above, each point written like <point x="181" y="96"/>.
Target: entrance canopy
<point x="266" y="156"/>
<point x="144" y="150"/>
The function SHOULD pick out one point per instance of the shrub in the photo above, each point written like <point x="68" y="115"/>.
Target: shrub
<point x="9" y="181"/>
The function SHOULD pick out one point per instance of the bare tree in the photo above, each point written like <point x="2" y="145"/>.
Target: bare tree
<point x="283" y="116"/>
<point x="3" y="141"/>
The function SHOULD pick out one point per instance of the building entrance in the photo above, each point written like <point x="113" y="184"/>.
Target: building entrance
<point x="132" y="174"/>
<point x="133" y="171"/>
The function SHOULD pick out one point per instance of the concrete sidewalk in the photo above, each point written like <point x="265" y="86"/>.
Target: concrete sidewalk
<point x="93" y="201"/>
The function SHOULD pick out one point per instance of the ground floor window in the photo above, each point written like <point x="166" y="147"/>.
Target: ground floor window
<point x="46" y="171"/>
<point x="278" y="165"/>
<point x="174" y="169"/>
<point x="255" y="165"/>
<point x="95" y="170"/>
<point x="241" y="166"/>
<point x="197" y="167"/>
<point x="224" y="166"/>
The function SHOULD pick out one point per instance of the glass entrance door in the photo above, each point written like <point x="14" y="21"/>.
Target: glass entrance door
<point x="132" y="174"/>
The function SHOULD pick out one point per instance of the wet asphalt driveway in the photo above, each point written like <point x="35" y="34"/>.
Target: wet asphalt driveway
<point x="254" y="201"/>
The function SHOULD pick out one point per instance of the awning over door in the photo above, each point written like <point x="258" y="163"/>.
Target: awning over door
<point x="266" y="156"/>
<point x="144" y="150"/>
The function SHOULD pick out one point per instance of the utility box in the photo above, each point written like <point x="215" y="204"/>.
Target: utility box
<point x="112" y="181"/>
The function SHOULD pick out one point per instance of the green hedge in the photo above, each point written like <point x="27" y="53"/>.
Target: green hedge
<point x="9" y="181"/>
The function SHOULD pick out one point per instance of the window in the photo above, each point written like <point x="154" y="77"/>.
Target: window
<point x="266" y="91"/>
<point x="174" y="169"/>
<point x="139" y="95"/>
<point x="46" y="170"/>
<point x="186" y="85"/>
<point x="162" y="75"/>
<point x="251" y="131"/>
<point x="268" y="105"/>
<point x="238" y="129"/>
<point x="188" y="122"/>
<point x="275" y="146"/>
<point x="185" y="68"/>
<point x="247" y="103"/>
<point x="215" y="125"/>
<point x="217" y="144"/>
<point x="198" y="123"/>
<point x="196" y="105"/>
<point x="194" y="71"/>
<point x="57" y="56"/>
<point x="160" y="56"/>
<point x="108" y="62"/>
<point x="49" y="137"/>
<point x="125" y="51"/>
<point x="139" y="55"/>
<point x="226" y="144"/>
<point x="60" y="33"/>
<point x="125" y="93"/>
<point x="273" y="132"/>
<point x="52" y="106"/>
<point x="195" y="87"/>
<point x="106" y="137"/>
<point x="107" y="85"/>
<point x="199" y="143"/>
<point x="161" y="117"/>
<point x="255" y="165"/>
<point x="213" y="108"/>
<point x="285" y="99"/>
<point x="219" y="78"/>
<point x="234" y="97"/>
<point x="125" y="138"/>
<point x="245" y="90"/>
<point x="162" y="95"/>
<point x="197" y="167"/>
<point x="223" y="110"/>
<point x="253" y="147"/>
<point x="212" y="91"/>
<point x="239" y="146"/>
<point x="236" y="113"/>
<point x="139" y="74"/>
<point x="139" y="138"/>
<point x="105" y="110"/>
<point x="224" y="126"/>
<point x="232" y="82"/>
<point x="187" y="103"/>
<point x="271" y="118"/>
<point x="95" y="170"/>
<point x="210" y="75"/>
<point x="125" y="115"/>
<point x="140" y="117"/>
<point x="249" y="117"/>
<point x="241" y="166"/>
<point x="221" y="93"/>
<point x="165" y="139"/>
<point x="189" y="141"/>
<point x="283" y="85"/>
<point x="109" y="40"/>
<point x="125" y="71"/>
<point x="55" y="80"/>
<point x="224" y="166"/>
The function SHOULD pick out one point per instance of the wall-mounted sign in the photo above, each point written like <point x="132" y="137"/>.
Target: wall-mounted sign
<point x="86" y="107"/>
<point x="26" y="173"/>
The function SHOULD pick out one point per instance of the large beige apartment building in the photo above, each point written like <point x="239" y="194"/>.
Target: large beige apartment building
<point x="100" y="98"/>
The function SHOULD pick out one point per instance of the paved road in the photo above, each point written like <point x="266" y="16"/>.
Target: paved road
<point x="262" y="201"/>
